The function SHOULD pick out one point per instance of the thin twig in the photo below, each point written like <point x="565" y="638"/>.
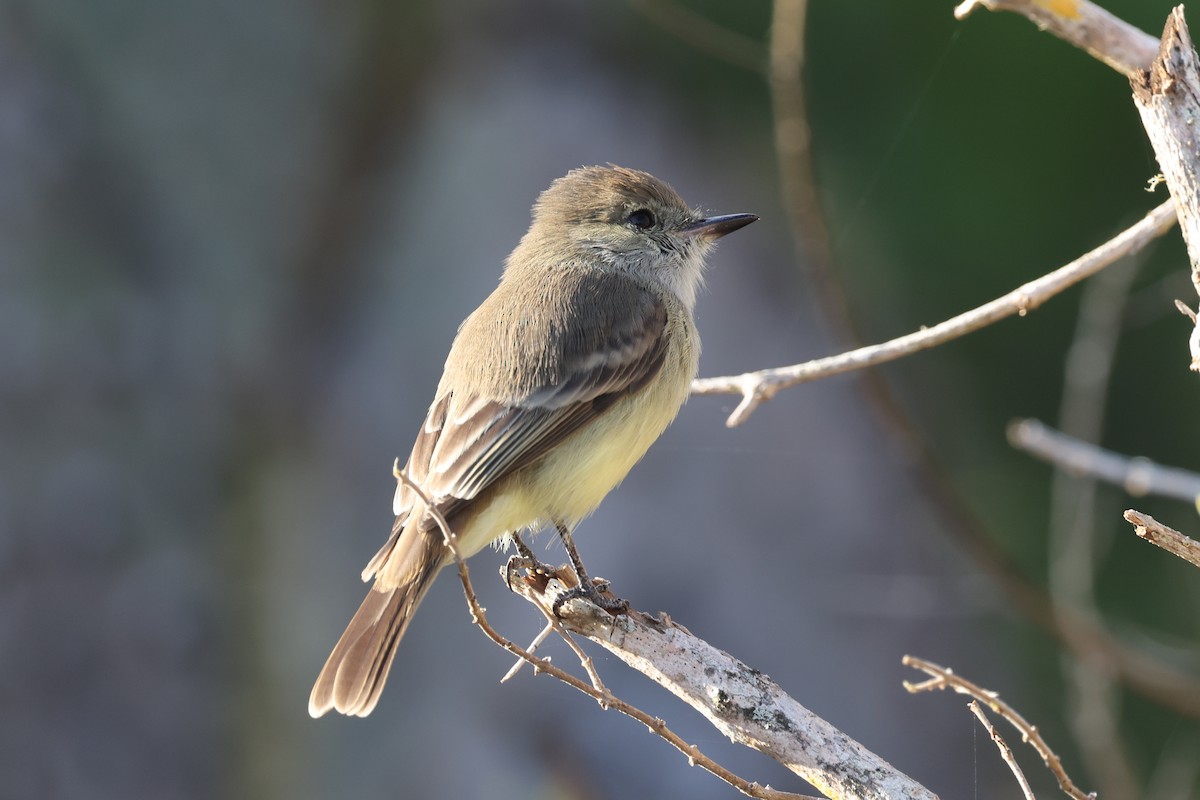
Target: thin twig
<point x="585" y="660"/>
<point x="1169" y="539"/>
<point x="1136" y="475"/>
<point x="944" y="678"/>
<point x="757" y="387"/>
<point x="1108" y="38"/>
<point x="542" y="636"/>
<point x="604" y="698"/>
<point x="1005" y="751"/>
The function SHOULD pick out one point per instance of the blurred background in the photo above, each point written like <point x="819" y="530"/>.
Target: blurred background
<point x="236" y="240"/>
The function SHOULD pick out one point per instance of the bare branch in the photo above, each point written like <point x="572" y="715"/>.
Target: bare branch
<point x="741" y="702"/>
<point x="1167" y="538"/>
<point x="537" y="642"/>
<point x="757" y="387"/>
<point x="1167" y="96"/>
<point x="1136" y="475"/>
<point x="944" y="678"/>
<point x="1093" y="697"/>
<point x="1106" y="37"/>
<point x="1005" y="751"/>
<point x="585" y="660"/>
<point x="704" y="34"/>
<point x="602" y="696"/>
<point x="1158" y="72"/>
<point x="797" y="180"/>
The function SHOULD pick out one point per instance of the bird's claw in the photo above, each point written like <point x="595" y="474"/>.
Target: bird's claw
<point x="595" y="592"/>
<point x="535" y="569"/>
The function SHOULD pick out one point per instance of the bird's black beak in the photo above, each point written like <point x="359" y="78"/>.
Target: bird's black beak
<point x="716" y="227"/>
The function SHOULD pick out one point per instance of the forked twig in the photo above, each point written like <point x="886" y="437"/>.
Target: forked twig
<point x="758" y="387"/>
<point x="589" y="666"/>
<point x="542" y="636"/>
<point x="1005" y="751"/>
<point x="944" y="678"/>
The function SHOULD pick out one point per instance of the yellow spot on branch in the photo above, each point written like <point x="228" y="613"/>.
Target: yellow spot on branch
<point x="1066" y="9"/>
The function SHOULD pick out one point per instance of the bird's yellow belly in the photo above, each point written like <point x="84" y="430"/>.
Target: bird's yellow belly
<point x="572" y="479"/>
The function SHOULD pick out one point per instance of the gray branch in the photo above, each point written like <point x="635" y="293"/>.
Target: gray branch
<point x="1137" y="476"/>
<point x="1167" y="96"/>
<point x="741" y="702"/>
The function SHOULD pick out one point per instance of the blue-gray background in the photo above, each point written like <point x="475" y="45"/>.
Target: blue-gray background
<point x="236" y="240"/>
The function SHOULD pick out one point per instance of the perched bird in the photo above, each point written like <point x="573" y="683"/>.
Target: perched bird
<point x="554" y="388"/>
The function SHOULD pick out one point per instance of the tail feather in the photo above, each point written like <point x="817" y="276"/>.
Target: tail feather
<point x="357" y="669"/>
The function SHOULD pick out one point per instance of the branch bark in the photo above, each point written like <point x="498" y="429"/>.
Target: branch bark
<point x="1169" y="539"/>
<point x="1167" y="96"/>
<point x="741" y="702"/>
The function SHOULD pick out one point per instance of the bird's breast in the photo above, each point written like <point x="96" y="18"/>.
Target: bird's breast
<point x="572" y="480"/>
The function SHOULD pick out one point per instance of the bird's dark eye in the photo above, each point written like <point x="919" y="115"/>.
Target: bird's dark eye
<point x="641" y="219"/>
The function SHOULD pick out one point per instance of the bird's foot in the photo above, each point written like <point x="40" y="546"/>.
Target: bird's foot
<point x="595" y="592"/>
<point x="534" y="569"/>
<point x="527" y="561"/>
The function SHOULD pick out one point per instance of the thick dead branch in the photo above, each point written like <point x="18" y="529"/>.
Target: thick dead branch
<point x="944" y="678"/>
<point x="1108" y="38"/>
<point x="597" y="692"/>
<point x="741" y="702"/>
<point x="1137" y="476"/>
<point x="1165" y="537"/>
<point x="1167" y="96"/>
<point x="757" y="387"/>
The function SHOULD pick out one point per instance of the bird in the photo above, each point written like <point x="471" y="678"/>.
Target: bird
<point x="554" y="387"/>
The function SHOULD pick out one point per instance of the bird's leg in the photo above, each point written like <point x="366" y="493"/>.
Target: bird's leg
<point x="524" y="559"/>
<point x="586" y="588"/>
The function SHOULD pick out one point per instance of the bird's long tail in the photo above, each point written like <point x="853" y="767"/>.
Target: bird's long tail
<point x="357" y="669"/>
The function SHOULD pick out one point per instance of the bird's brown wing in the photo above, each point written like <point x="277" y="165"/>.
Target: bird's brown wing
<point x="470" y="441"/>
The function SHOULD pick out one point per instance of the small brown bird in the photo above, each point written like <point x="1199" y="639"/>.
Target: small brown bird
<point x="554" y="388"/>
